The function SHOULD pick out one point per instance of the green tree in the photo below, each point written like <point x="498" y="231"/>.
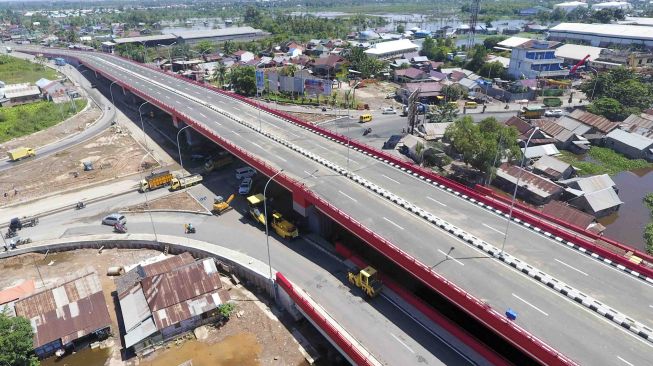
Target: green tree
<point x="483" y="145"/>
<point x="492" y="41"/>
<point x="366" y="65"/>
<point x="429" y="48"/>
<point x="445" y="112"/>
<point x="243" y="80"/>
<point x="608" y="108"/>
<point x="252" y="15"/>
<point x="648" y="237"/>
<point x="452" y="93"/>
<point x="220" y="74"/>
<point x="16" y="341"/>
<point x="205" y="47"/>
<point x="622" y="85"/>
<point x="493" y="70"/>
<point x="401" y="28"/>
<point x="228" y="47"/>
<point x="476" y="58"/>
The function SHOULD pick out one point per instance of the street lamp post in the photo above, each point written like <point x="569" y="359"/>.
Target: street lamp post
<point x="142" y="124"/>
<point x="179" y="146"/>
<point x="169" y="52"/>
<point x="147" y="204"/>
<point x="596" y="81"/>
<point x="514" y="193"/>
<point x="265" y="213"/>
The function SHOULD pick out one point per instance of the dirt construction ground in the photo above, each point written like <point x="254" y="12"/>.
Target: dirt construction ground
<point x="253" y="335"/>
<point x="177" y="201"/>
<point x="113" y="153"/>
<point x="72" y="125"/>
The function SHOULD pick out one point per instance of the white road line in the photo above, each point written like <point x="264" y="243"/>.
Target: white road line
<point x="531" y="305"/>
<point x="348" y="196"/>
<point x="158" y="92"/>
<point x="650" y="306"/>
<point x="292" y="133"/>
<point x="565" y="264"/>
<point x="236" y="133"/>
<point x="280" y="158"/>
<point x="257" y="145"/>
<point x="491" y="228"/>
<point x="310" y="174"/>
<point x="392" y="222"/>
<point x="236" y="108"/>
<point x="452" y="258"/>
<point x="402" y="343"/>
<point x="436" y="201"/>
<point x="219" y="124"/>
<point x="385" y="176"/>
<point x="624" y="361"/>
<point x="202" y="114"/>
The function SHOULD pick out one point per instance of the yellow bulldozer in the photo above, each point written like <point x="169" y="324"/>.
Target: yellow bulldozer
<point x="366" y="279"/>
<point x="221" y="206"/>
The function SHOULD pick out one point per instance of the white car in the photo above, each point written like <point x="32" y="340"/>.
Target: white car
<point x="553" y="113"/>
<point x="389" y="110"/>
<point x="113" y="219"/>
<point x="245" y="172"/>
<point x="245" y="186"/>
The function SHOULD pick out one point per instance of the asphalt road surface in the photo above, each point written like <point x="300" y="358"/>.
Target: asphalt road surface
<point x="565" y="325"/>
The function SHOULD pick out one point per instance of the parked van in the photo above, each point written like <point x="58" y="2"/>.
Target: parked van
<point x="245" y="172"/>
<point x="365" y="118"/>
<point x="471" y="105"/>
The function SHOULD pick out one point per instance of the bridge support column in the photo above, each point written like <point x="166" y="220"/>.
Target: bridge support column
<point x="299" y="203"/>
<point x="177" y="123"/>
<point x="188" y="133"/>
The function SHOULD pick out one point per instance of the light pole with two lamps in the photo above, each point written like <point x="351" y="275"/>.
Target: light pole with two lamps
<point x="143" y="124"/>
<point x="169" y="52"/>
<point x="514" y="193"/>
<point x="111" y="92"/>
<point x="265" y="213"/>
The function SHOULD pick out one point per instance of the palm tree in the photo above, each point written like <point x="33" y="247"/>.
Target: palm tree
<point x="220" y="73"/>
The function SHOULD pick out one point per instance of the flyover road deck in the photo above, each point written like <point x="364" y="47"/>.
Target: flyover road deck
<point x="583" y="335"/>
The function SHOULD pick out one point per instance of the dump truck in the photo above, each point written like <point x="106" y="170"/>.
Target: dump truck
<point x="185" y="182"/>
<point x="217" y="162"/>
<point x="281" y="226"/>
<point x="155" y="181"/>
<point x="20" y="153"/>
<point x="221" y="206"/>
<point x="366" y="279"/>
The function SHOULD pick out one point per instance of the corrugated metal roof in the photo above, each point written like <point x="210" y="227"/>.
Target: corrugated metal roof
<point x="541" y="150"/>
<point x="20" y="90"/>
<point x="605" y="30"/>
<point x="603" y="199"/>
<point x="550" y="164"/>
<point x="187" y="309"/>
<point x="19" y="291"/>
<point x="513" y="42"/>
<point x="590" y="184"/>
<point x="68" y="311"/>
<point x="223" y="32"/>
<point x="167" y="264"/>
<point x="573" y="125"/>
<point x="142" y="331"/>
<point x="634" y="140"/>
<point x="600" y="123"/>
<point x="578" y="52"/>
<point x="180" y="284"/>
<point x="568" y="214"/>
<point x="134" y="307"/>
<point x="640" y="124"/>
<point x="392" y="46"/>
<point x="554" y="130"/>
<point x="532" y="182"/>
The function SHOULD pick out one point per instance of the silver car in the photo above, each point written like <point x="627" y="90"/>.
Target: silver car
<point x="113" y="219"/>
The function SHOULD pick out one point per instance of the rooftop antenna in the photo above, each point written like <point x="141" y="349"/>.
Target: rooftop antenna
<point x="474" y="7"/>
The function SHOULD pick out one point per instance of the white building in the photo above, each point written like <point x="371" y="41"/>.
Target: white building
<point x="391" y="49"/>
<point x="612" y="5"/>
<point x="535" y="59"/>
<point x="602" y="35"/>
<point x="570" y="5"/>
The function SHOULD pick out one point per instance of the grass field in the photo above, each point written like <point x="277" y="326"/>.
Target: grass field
<point x="14" y="70"/>
<point x="29" y="118"/>
<point x="603" y="161"/>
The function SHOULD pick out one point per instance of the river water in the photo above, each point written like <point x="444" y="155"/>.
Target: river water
<point x="627" y="224"/>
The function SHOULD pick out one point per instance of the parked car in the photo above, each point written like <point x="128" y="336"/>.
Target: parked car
<point x="553" y="113"/>
<point x="113" y="219"/>
<point x="245" y="172"/>
<point x="389" y="110"/>
<point x="245" y="186"/>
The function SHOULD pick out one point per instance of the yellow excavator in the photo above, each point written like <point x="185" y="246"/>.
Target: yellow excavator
<point x="281" y="226"/>
<point x="366" y="279"/>
<point x="221" y="206"/>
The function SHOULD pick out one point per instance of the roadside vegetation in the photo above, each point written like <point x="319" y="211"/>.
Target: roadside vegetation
<point x="648" y="229"/>
<point x="16" y="341"/>
<point x="603" y="160"/>
<point x="29" y="118"/>
<point x="14" y="70"/>
<point x="618" y="93"/>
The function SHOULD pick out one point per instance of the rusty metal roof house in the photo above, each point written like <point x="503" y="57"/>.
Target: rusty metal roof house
<point x="532" y="187"/>
<point x="173" y="296"/>
<point x="65" y="316"/>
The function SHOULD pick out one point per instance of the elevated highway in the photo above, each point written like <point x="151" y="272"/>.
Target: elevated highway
<point x="570" y="301"/>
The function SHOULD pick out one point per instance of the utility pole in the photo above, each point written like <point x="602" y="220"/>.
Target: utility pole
<point x="474" y="8"/>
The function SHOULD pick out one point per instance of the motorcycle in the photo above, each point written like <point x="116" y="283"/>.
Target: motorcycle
<point x="367" y="131"/>
<point x="10" y="233"/>
<point x="80" y="205"/>
<point x="189" y="229"/>
<point x="119" y="228"/>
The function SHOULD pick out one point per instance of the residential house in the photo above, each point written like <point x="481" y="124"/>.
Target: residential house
<point x="534" y="152"/>
<point x="9" y="296"/>
<point x="532" y="187"/>
<point x="471" y="86"/>
<point x="428" y="91"/>
<point x="553" y="168"/>
<point x="437" y="75"/>
<point x="16" y="94"/>
<point x="66" y="316"/>
<point x="328" y="66"/>
<point x="162" y="300"/>
<point x="398" y="63"/>
<point x="630" y="144"/>
<point x="243" y="56"/>
<point x="596" y="195"/>
<point x="562" y="138"/>
<point x="536" y="59"/>
<point x="572" y="215"/>
<point x="585" y="123"/>
<point x="409" y="75"/>
<point x="433" y="131"/>
<point x="391" y="49"/>
<point x="523" y="128"/>
<point x="641" y="124"/>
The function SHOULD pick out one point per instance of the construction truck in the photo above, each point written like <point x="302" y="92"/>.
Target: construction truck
<point x="20" y="153"/>
<point x="155" y="181"/>
<point x="221" y="206"/>
<point x="185" y="182"/>
<point x="281" y="226"/>
<point x="366" y="279"/>
<point x="217" y="162"/>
